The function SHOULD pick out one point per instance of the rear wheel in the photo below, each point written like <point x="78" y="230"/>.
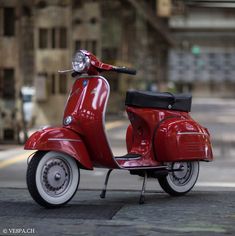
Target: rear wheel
<point x="52" y="178"/>
<point x="181" y="178"/>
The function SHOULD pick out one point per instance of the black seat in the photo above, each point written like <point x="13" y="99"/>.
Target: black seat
<point x="145" y="99"/>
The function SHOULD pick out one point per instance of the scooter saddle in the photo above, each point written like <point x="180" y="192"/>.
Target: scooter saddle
<point x="146" y="99"/>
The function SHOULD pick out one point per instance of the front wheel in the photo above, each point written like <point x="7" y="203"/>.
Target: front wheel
<point x="181" y="178"/>
<point x="52" y="178"/>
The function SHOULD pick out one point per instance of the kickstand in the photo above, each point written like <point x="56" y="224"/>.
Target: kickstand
<point x="142" y="198"/>
<point x="103" y="193"/>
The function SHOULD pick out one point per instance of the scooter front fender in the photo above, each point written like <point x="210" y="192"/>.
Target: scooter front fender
<point x="62" y="140"/>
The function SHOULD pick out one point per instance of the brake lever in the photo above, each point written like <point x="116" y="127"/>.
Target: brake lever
<point x="65" y="71"/>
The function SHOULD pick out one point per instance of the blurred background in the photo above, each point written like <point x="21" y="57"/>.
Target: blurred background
<point x="175" y="45"/>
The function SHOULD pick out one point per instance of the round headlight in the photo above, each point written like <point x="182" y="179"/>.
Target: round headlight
<point x="80" y="62"/>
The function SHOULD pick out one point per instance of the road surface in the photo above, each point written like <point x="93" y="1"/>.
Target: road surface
<point x="216" y="114"/>
<point x="198" y="213"/>
<point x="209" y="209"/>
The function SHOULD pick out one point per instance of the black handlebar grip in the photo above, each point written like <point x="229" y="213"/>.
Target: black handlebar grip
<point x="124" y="70"/>
<point x="74" y="74"/>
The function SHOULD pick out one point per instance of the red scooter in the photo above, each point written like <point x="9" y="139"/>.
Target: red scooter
<point x="163" y="141"/>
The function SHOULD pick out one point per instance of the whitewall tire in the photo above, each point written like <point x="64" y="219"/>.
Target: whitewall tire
<point x="52" y="178"/>
<point x="181" y="178"/>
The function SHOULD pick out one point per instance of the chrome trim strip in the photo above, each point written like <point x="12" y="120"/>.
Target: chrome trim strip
<point x="103" y="116"/>
<point x="128" y="159"/>
<point x="65" y="71"/>
<point x="144" y="167"/>
<point x="196" y="133"/>
<point x="64" y="139"/>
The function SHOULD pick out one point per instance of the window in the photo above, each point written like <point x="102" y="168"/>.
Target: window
<point x="52" y="38"/>
<point x="1" y="83"/>
<point x="86" y="44"/>
<point x="8" y="84"/>
<point x="93" y="20"/>
<point x="93" y="46"/>
<point x="8" y="134"/>
<point x="57" y="84"/>
<point x="77" y="4"/>
<point x="41" y="87"/>
<point x="90" y="45"/>
<point x="77" y="21"/>
<point x="78" y="45"/>
<point x="9" y="21"/>
<point x="63" y="37"/>
<point x="53" y="84"/>
<point x="43" y="38"/>
<point x="109" y="53"/>
<point x="62" y="84"/>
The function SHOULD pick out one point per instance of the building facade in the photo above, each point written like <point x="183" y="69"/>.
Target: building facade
<point x="39" y="37"/>
<point x="10" y="71"/>
<point x="131" y="39"/>
<point x="52" y="53"/>
<point x="203" y="62"/>
<point x="168" y="42"/>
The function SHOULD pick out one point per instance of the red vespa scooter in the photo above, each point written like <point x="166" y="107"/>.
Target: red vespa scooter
<point x="163" y="141"/>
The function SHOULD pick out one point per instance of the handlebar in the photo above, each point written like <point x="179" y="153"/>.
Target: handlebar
<point x="124" y="70"/>
<point x="93" y="66"/>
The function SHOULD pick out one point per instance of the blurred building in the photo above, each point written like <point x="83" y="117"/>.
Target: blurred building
<point x="136" y="38"/>
<point x="39" y="37"/>
<point x="52" y="52"/>
<point x="11" y="71"/>
<point x="170" y="42"/>
<point x="204" y="60"/>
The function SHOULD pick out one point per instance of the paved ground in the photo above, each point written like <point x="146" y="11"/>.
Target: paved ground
<point x="208" y="210"/>
<point x="199" y="212"/>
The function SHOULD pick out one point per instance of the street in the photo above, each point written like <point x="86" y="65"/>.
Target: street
<point x="218" y="115"/>
<point x="61" y="61"/>
<point x="198" y="213"/>
<point x="208" y="209"/>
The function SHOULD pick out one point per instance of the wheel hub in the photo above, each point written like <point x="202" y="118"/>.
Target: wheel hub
<point x="55" y="177"/>
<point x="181" y="174"/>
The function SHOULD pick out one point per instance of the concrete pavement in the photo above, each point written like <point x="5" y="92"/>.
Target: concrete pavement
<point x="208" y="210"/>
<point x="198" y="213"/>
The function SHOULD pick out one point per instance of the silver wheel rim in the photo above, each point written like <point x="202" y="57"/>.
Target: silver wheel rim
<point x="183" y="176"/>
<point x="182" y="181"/>
<point x="56" y="177"/>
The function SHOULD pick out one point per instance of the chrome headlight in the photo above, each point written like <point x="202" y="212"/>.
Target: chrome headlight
<point x="80" y="62"/>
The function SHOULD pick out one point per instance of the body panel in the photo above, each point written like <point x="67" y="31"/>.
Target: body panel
<point x="140" y="135"/>
<point x="63" y="140"/>
<point x="179" y="140"/>
<point x="164" y="135"/>
<point x="87" y="104"/>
